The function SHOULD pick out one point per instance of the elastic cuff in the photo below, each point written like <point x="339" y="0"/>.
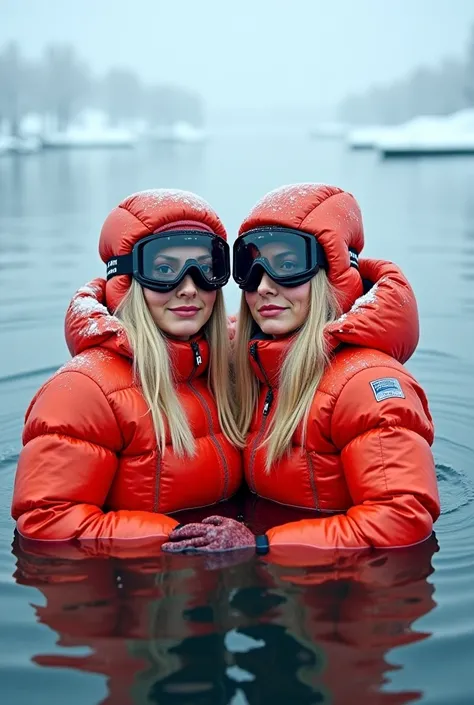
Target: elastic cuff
<point x="262" y="545"/>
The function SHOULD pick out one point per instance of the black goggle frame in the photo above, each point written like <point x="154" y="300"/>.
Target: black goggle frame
<point x="250" y="280"/>
<point x="133" y="264"/>
<point x="315" y="257"/>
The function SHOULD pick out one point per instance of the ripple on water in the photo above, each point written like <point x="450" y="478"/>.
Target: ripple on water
<point x="455" y="528"/>
<point x="456" y="490"/>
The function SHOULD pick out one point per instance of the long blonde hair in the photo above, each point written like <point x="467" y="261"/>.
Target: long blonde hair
<point x="154" y="373"/>
<point x="300" y="375"/>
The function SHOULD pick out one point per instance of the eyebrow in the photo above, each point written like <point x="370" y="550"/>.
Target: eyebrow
<point x="177" y="260"/>
<point x="287" y="252"/>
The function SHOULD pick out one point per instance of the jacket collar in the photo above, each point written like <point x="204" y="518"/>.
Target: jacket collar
<point x="89" y="324"/>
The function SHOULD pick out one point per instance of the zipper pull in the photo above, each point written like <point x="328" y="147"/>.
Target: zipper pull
<point x="197" y="354"/>
<point x="268" y="402"/>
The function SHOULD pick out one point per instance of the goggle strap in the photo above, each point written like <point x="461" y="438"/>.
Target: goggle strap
<point x="121" y="264"/>
<point x="321" y="260"/>
<point x="354" y="258"/>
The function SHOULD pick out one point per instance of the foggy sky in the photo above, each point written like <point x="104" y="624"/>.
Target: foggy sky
<point x="249" y="53"/>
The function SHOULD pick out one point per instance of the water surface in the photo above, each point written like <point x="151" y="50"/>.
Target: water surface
<point x="388" y="628"/>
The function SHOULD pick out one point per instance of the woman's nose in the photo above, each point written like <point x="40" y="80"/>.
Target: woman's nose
<point x="187" y="287"/>
<point x="266" y="286"/>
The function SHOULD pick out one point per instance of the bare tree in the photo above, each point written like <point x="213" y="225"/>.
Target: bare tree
<point x="438" y="90"/>
<point x="12" y="87"/>
<point x="60" y="85"/>
<point x="168" y="104"/>
<point x="121" y="95"/>
<point x="469" y="71"/>
<point x="67" y="83"/>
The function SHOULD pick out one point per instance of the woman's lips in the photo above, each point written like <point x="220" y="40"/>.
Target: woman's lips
<point x="271" y="311"/>
<point x="185" y="311"/>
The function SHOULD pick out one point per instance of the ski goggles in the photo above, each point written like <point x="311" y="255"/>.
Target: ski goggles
<point x="289" y="257"/>
<point x="160" y="262"/>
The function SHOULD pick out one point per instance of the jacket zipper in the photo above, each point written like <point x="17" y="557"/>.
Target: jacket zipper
<point x="311" y="479"/>
<point x="197" y="362"/>
<point x="266" y="410"/>
<point x="207" y="411"/>
<point x="157" y="482"/>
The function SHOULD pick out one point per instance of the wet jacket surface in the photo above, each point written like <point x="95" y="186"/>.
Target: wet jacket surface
<point x="90" y="468"/>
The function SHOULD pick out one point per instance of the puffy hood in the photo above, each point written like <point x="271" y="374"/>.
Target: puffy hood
<point x="90" y="325"/>
<point x="143" y="214"/>
<point x="385" y="319"/>
<point x="330" y="214"/>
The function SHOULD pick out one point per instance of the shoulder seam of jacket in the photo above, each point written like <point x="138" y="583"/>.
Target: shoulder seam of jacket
<point x="76" y="438"/>
<point x="357" y="350"/>
<point x="363" y="369"/>
<point x="80" y="372"/>
<point x="106" y="394"/>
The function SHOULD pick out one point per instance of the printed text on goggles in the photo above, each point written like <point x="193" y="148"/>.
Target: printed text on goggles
<point x="161" y="262"/>
<point x="289" y="257"/>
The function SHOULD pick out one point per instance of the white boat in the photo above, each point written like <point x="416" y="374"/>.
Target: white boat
<point x="20" y="145"/>
<point x="440" y="136"/>
<point x="430" y="145"/>
<point x="27" y="145"/>
<point x="373" y="137"/>
<point x="365" y="137"/>
<point x="89" y="139"/>
<point x="90" y="130"/>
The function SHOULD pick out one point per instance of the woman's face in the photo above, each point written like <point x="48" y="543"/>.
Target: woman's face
<point x="183" y="311"/>
<point x="278" y="310"/>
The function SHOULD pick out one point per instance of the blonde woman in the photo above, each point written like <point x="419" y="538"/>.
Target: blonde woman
<point x="140" y="423"/>
<point x="334" y="422"/>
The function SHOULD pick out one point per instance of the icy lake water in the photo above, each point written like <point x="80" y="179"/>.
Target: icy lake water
<point x="387" y="629"/>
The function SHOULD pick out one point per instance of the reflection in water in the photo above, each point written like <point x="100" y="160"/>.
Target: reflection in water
<point x="172" y="630"/>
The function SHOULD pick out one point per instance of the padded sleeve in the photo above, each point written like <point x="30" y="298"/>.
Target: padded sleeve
<point x="71" y="445"/>
<point x="384" y="442"/>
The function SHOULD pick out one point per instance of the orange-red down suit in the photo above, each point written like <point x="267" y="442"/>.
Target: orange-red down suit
<point x="90" y="468"/>
<point x="366" y="462"/>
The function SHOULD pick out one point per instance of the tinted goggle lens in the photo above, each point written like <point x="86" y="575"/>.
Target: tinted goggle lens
<point x="285" y="255"/>
<point x="161" y="262"/>
<point x="165" y="259"/>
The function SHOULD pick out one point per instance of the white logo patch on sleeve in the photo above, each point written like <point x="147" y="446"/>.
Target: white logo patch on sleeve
<point x="386" y="388"/>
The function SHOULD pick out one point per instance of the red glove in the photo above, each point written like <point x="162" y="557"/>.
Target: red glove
<point x="212" y="534"/>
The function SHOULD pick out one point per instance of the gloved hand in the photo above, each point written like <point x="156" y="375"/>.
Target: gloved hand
<point x="214" y="533"/>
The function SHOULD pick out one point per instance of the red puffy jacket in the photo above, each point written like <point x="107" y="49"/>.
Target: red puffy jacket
<point x="367" y="458"/>
<point x="90" y="468"/>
